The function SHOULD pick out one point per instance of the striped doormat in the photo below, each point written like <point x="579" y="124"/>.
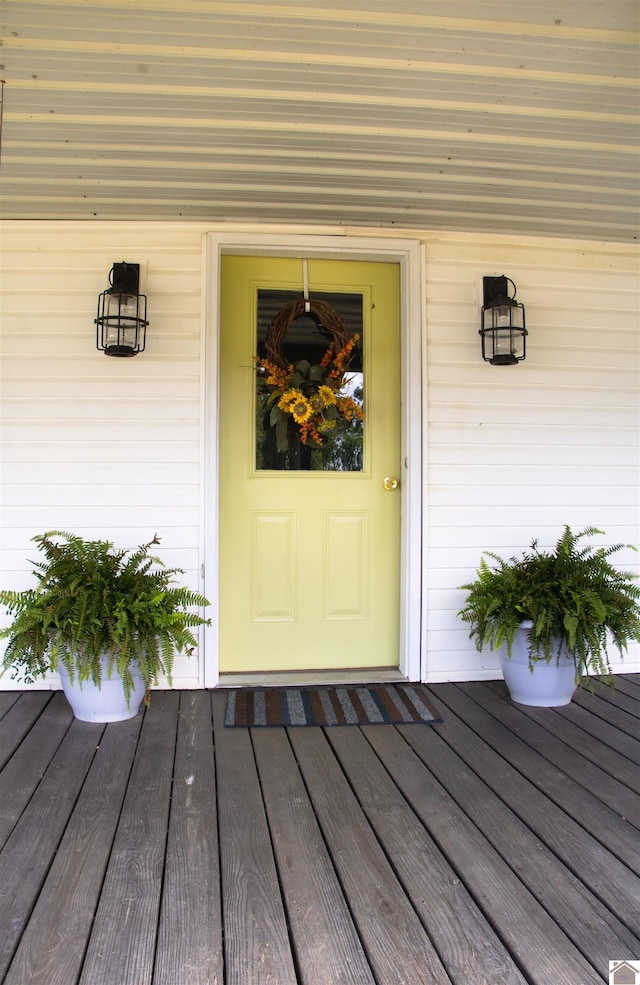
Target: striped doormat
<point x="371" y="704"/>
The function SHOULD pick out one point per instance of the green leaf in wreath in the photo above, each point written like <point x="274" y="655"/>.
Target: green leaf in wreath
<point x="282" y="433"/>
<point x="316" y="374"/>
<point x="302" y="366"/>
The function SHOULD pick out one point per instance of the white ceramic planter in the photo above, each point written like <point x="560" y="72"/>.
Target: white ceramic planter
<point x="550" y="685"/>
<point x="106" y="703"/>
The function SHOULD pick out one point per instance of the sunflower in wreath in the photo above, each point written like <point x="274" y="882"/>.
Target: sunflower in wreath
<point x="310" y="395"/>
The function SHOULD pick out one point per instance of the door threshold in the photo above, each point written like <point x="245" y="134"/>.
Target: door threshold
<point x="300" y="678"/>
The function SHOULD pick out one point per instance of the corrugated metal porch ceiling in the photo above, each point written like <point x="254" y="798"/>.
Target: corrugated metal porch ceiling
<point x="481" y="116"/>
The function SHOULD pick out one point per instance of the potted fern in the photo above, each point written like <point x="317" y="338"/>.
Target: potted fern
<point x="109" y="621"/>
<point x="553" y="615"/>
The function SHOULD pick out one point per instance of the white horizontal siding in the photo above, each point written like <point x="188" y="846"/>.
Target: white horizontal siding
<point x="515" y="453"/>
<point x="112" y="448"/>
<point x="107" y="448"/>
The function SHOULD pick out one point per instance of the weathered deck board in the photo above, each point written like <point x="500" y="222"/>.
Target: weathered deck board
<point x="497" y="847"/>
<point x="603" y="706"/>
<point x="257" y="947"/>
<point x="123" y="937"/>
<point x="540" y="948"/>
<point x="619" y="698"/>
<point x="29" y="850"/>
<point x="399" y="949"/>
<point x="52" y="947"/>
<point x="630" y="686"/>
<point x="18" y="719"/>
<point x="554" y="825"/>
<point x="24" y="771"/>
<point x="462" y="936"/>
<point x="529" y="929"/>
<point x="7" y="700"/>
<point x="325" y="940"/>
<point x="601" y="729"/>
<point x="591" y="751"/>
<point x="602" y="805"/>
<point x="190" y="948"/>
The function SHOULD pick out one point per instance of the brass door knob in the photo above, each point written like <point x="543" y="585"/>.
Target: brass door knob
<point x="390" y="483"/>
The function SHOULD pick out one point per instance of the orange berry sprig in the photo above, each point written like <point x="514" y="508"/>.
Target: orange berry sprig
<point x="328" y="356"/>
<point x="276" y="376"/>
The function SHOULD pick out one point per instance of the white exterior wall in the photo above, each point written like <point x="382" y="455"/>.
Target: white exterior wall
<point x="107" y="448"/>
<point x="114" y="448"/>
<point x="518" y="452"/>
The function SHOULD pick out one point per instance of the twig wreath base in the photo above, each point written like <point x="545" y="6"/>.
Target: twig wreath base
<point x="322" y="313"/>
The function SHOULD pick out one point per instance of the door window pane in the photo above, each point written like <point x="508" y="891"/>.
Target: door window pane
<point x="302" y="421"/>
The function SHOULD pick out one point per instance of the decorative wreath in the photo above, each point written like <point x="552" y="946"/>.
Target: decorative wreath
<point x="308" y="397"/>
<point x="322" y="313"/>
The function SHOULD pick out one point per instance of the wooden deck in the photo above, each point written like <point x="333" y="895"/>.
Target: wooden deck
<point x="499" y="847"/>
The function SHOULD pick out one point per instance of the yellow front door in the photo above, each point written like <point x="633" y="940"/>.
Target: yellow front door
<point x="309" y="531"/>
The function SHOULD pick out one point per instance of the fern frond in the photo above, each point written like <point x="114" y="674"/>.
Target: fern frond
<point x="92" y="600"/>
<point x="574" y="596"/>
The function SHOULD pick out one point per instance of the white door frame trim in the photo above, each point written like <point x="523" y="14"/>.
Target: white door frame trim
<point x="409" y="255"/>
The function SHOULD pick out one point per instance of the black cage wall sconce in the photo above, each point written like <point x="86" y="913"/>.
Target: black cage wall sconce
<point x="502" y="323"/>
<point x="122" y="313"/>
